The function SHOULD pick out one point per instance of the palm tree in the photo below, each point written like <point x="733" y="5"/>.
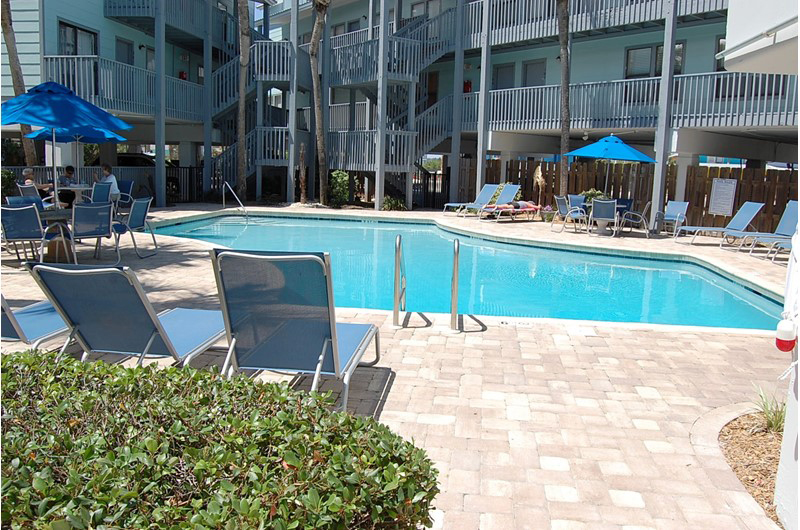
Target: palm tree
<point x="562" y="10"/>
<point x="321" y="8"/>
<point x="16" y="76"/>
<point x="241" y="124"/>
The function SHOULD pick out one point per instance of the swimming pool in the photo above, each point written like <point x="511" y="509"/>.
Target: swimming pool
<point x="496" y="278"/>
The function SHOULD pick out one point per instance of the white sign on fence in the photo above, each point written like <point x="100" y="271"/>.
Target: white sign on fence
<point x="723" y="193"/>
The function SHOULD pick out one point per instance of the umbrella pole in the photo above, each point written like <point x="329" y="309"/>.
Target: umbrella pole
<point x="608" y="166"/>
<point x="56" y="202"/>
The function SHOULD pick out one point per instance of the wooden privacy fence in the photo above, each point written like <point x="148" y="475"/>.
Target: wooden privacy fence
<point x="635" y="181"/>
<point x="773" y="187"/>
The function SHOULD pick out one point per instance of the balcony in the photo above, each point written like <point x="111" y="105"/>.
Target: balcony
<point x="355" y="150"/>
<point x="122" y="88"/>
<point x="710" y="100"/>
<point x="523" y="20"/>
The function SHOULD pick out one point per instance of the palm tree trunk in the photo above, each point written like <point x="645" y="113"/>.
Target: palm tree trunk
<point x="562" y="9"/>
<point x="16" y="76"/>
<point x="321" y="8"/>
<point x="241" y="123"/>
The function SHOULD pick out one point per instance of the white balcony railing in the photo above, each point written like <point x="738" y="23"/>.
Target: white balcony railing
<point x="123" y="88"/>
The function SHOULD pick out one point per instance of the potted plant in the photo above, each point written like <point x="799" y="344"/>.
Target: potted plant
<point x="547" y="213"/>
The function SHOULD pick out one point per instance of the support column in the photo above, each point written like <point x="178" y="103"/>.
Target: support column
<point x="412" y="118"/>
<point x="380" y="125"/>
<point x="208" y="95"/>
<point x="160" y="116"/>
<point x="458" y="99"/>
<point x="398" y="14"/>
<point x="293" y="145"/>
<point x="483" y="96"/>
<point x="108" y="153"/>
<point x="370" y="35"/>
<point x="326" y="83"/>
<point x="259" y="123"/>
<point x="665" y="88"/>
<point x="187" y="154"/>
<point x="684" y="160"/>
<point x="351" y="118"/>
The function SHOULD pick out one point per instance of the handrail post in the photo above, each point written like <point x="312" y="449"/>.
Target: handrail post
<point x="399" y="299"/>
<point x="454" y="288"/>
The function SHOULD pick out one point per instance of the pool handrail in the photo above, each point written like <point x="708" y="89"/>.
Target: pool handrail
<point x="241" y="207"/>
<point x="399" y="300"/>
<point x="454" y="287"/>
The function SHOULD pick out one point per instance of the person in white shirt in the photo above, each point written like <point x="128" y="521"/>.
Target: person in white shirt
<point x="109" y="177"/>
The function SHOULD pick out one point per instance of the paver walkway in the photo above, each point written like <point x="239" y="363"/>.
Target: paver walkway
<point x="536" y="423"/>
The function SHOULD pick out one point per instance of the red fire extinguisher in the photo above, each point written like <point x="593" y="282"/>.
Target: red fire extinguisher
<point x="467" y="86"/>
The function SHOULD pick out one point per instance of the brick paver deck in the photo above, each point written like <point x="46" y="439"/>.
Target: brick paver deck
<point x="537" y="423"/>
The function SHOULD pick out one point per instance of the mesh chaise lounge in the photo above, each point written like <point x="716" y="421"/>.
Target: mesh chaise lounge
<point x="506" y="195"/>
<point x="279" y="315"/>
<point x="31" y="324"/>
<point x="107" y="312"/>
<point x="783" y="232"/>
<point x="483" y="198"/>
<point x="737" y="224"/>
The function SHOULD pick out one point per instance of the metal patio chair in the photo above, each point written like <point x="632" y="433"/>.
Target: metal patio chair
<point x="605" y="212"/>
<point x="136" y="221"/>
<point x="566" y="213"/>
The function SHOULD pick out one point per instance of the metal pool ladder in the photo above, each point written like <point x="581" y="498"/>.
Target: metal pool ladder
<point x="241" y="207"/>
<point x="399" y="281"/>
<point x="454" y="288"/>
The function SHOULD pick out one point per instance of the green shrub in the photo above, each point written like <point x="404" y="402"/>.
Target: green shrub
<point x="774" y="411"/>
<point x="592" y="193"/>
<point x="339" y="188"/>
<point x="394" y="204"/>
<point x="88" y="445"/>
<point x="9" y="183"/>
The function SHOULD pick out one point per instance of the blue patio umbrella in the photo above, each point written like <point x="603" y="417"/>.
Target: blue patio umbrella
<point x="611" y="148"/>
<point x="53" y="105"/>
<point x="87" y="135"/>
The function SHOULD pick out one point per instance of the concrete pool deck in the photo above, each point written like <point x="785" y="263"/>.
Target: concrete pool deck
<point x="533" y="423"/>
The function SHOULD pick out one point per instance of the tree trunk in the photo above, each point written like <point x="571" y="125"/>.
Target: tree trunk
<point x="321" y="8"/>
<point x="303" y="176"/>
<point x="562" y="9"/>
<point x="16" y="76"/>
<point x="241" y="123"/>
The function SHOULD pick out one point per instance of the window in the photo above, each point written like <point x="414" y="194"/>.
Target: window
<point x="305" y="38"/>
<point x="534" y="73"/>
<point x="720" y="66"/>
<point x="124" y="51"/>
<point x="646" y="61"/>
<point x="430" y="7"/>
<point x="418" y="9"/>
<point x="354" y="25"/>
<point x="503" y="77"/>
<point x="338" y="29"/>
<point x="73" y="40"/>
<point x="150" y="59"/>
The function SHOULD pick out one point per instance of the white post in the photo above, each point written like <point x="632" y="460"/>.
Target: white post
<point x="454" y="160"/>
<point x="683" y="162"/>
<point x="380" y="126"/>
<point x="483" y="96"/>
<point x="161" y="106"/>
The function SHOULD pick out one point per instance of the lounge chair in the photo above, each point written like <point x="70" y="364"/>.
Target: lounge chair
<point x="279" y="315"/>
<point x="514" y="208"/>
<point x="674" y="214"/>
<point x="784" y="231"/>
<point x="604" y="212"/>
<point x="636" y="218"/>
<point x="737" y="224"/>
<point x="31" y="324"/>
<point x="777" y="246"/>
<point x="107" y="312"/>
<point x="136" y="221"/>
<point x="576" y="214"/>
<point x="506" y="195"/>
<point x="483" y="198"/>
<point x="23" y="225"/>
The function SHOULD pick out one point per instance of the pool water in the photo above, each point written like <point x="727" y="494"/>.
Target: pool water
<point x="496" y="278"/>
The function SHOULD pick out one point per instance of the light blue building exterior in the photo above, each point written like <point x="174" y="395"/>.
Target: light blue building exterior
<point x="406" y="79"/>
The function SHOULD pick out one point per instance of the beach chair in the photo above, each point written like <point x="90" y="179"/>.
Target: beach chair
<point x="483" y="198"/>
<point x="279" y="315"/>
<point x="506" y="195"/>
<point x="31" y="324"/>
<point x="514" y="208"/>
<point x="136" y="221"/>
<point x="31" y="191"/>
<point x="777" y="246"/>
<point x="565" y="212"/>
<point x="21" y="224"/>
<point x="737" y="224"/>
<point x="107" y="312"/>
<point x="674" y="214"/>
<point x="784" y="231"/>
<point x="632" y="218"/>
<point x="604" y="212"/>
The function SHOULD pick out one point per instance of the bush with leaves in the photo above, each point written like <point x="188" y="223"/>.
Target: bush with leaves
<point x="9" y="183"/>
<point x="394" y="204"/>
<point x="87" y="445"/>
<point x="339" y="188"/>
